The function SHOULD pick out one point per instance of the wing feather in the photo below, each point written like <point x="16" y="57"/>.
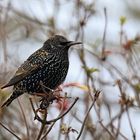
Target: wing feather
<point x="33" y="63"/>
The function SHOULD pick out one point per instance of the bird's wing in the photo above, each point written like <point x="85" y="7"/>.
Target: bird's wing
<point x="33" y="63"/>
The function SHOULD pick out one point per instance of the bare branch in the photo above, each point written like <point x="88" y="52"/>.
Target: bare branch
<point x="10" y="131"/>
<point x="85" y="119"/>
<point x="53" y="120"/>
<point x="24" y="117"/>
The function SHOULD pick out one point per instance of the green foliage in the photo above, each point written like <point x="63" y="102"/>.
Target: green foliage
<point x="90" y="70"/>
<point x="123" y="20"/>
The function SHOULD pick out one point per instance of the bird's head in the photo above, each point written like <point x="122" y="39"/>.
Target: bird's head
<point x="59" y="42"/>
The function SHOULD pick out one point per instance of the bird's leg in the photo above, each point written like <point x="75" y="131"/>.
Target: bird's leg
<point x="44" y="88"/>
<point x="44" y="104"/>
<point x="47" y="98"/>
<point x="59" y="89"/>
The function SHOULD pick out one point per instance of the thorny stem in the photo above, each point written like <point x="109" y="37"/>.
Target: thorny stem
<point x="86" y="116"/>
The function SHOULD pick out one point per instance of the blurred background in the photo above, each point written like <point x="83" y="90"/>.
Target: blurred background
<point x="107" y="61"/>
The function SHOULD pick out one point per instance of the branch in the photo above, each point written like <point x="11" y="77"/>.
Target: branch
<point x="134" y="135"/>
<point x="104" y="35"/>
<point x="105" y="128"/>
<point x="24" y="118"/>
<point x="53" y="120"/>
<point x="85" y="119"/>
<point x="10" y="131"/>
<point x="50" y="128"/>
<point x="42" y="126"/>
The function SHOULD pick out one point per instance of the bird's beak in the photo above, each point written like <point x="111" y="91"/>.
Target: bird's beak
<point x="71" y="43"/>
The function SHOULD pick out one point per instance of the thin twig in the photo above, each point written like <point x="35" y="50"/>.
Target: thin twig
<point x="25" y="121"/>
<point x="60" y="125"/>
<point x="119" y="83"/>
<point x="50" y="128"/>
<point x="105" y="128"/>
<point x="53" y="120"/>
<point x="86" y="116"/>
<point x="33" y="107"/>
<point x="42" y="126"/>
<point x="120" y="133"/>
<point x="119" y="124"/>
<point x="116" y="117"/>
<point x="62" y="115"/>
<point x="104" y="35"/>
<point x="134" y="135"/>
<point x="10" y="131"/>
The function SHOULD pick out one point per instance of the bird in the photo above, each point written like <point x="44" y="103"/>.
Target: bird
<point x="48" y="65"/>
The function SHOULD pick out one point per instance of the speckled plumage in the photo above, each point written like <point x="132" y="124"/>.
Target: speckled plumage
<point x="48" y="65"/>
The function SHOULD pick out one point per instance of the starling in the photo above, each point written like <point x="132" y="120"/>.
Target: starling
<point x="48" y="65"/>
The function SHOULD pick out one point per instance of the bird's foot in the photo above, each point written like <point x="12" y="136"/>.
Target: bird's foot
<point x="46" y="100"/>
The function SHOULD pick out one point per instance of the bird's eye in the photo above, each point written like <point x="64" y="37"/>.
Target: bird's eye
<point x="63" y="43"/>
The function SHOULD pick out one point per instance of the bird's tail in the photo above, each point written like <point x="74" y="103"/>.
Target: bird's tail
<point x="14" y="95"/>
